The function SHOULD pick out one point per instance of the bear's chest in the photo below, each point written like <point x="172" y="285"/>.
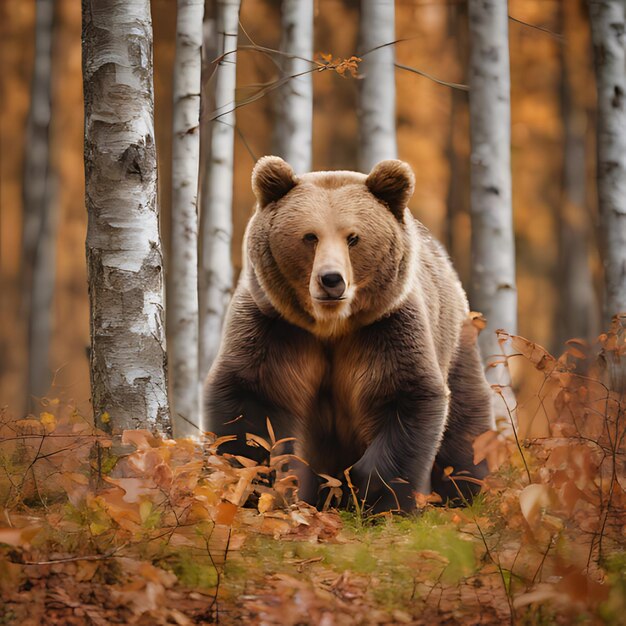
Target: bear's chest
<point x="327" y="386"/>
<point x="356" y="378"/>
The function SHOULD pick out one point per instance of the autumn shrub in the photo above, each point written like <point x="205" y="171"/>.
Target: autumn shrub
<point x="135" y="521"/>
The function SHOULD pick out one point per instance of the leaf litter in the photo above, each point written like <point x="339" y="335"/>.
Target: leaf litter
<point x="138" y="529"/>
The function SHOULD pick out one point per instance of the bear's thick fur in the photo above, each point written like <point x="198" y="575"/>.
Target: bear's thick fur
<point x="349" y="329"/>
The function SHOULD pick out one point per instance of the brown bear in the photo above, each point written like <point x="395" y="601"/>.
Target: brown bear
<point x="349" y="330"/>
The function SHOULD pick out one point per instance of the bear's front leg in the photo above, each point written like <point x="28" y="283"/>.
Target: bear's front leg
<point x="233" y="408"/>
<point x="400" y="458"/>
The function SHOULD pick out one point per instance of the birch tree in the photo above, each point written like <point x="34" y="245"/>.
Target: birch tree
<point x="124" y="263"/>
<point x="577" y="311"/>
<point x="182" y="286"/>
<point x="294" y="110"/>
<point x="492" y="287"/>
<point x="377" y="105"/>
<point x="216" y="274"/>
<point x="207" y="106"/>
<point x="607" y="30"/>
<point x="39" y="225"/>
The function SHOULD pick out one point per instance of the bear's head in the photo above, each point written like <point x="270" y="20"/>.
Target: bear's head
<point x="331" y="251"/>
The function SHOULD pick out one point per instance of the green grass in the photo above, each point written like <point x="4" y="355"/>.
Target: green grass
<point x="390" y="553"/>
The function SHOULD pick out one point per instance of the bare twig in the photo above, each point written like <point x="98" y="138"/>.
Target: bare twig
<point x="458" y="86"/>
<point x="558" y="36"/>
<point x="488" y="552"/>
<point x="517" y="442"/>
<point x="71" y="559"/>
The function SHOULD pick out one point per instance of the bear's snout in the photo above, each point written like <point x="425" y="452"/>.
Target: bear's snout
<point x="333" y="284"/>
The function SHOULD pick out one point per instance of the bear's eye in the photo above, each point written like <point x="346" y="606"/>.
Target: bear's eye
<point x="310" y="238"/>
<point x="353" y="240"/>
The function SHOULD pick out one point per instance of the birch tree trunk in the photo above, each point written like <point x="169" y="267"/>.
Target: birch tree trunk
<point x="39" y="226"/>
<point x="607" y="30"/>
<point x="294" y="110"/>
<point x="492" y="286"/>
<point x="207" y="104"/>
<point x="377" y="107"/>
<point x="125" y="268"/>
<point x="577" y="311"/>
<point x="216" y="273"/>
<point x="182" y="285"/>
<point x="457" y="200"/>
<point x="40" y="317"/>
<point x="34" y="187"/>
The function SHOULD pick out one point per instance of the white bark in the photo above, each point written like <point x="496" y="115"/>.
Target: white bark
<point x="124" y="261"/>
<point x="216" y="273"/>
<point x="182" y="284"/>
<point x="607" y="28"/>
<point x="294" y="110"/>
<point x="39" y="226"/>
<point x="493" y="290"/>
<point x="377" y="108"/>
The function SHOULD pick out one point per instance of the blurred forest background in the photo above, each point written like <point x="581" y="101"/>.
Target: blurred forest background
<point x="553" y="155"/>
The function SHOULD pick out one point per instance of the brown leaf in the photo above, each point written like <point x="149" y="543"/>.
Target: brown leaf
<point x="226" y="512"/>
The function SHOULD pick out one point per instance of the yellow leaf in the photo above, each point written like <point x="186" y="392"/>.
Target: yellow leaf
<point x="266" y="503"/>
<point x="145" y="508"/>
<point x="105" y="418"/>
<point x="48" y="420"/>
<point x="97" y="528"/>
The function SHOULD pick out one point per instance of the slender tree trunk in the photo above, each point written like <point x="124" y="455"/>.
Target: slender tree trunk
<point x="377" y="110"/>
<point x="182" y="285"/>
<point x="457" y="214"/>
<point x="34" y="188"/>
<point x="125" y="267"/>
<point x="294" y="110"/>
<point x="40" y="317"/>
<point x="216" y="225"/>
<point x="207" y="104"/>
<point x="607" y="29"/>
<point x="577" y="311"/>
<point x="39" y="226"/>
<point x="207" y="99"/>
<point x="493" y="290"/>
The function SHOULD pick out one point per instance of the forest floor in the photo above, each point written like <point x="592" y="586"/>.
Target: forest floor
<point x="137" y="529"/>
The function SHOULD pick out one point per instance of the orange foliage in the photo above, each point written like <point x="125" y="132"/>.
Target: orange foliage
<point x="341" y="66"/>
<point x="112" y="517"/>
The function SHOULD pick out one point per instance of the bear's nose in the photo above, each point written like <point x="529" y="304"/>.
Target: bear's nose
<point x="333" y="284"/>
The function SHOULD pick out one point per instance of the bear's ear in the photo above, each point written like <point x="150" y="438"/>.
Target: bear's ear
<point x="272" y="178"/>
<point x="392" y="182"/>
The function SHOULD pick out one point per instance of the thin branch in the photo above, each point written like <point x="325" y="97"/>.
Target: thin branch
<point x="316" y="66"/>
<point x="488" y="552"/>
<point x="558" y="36"/>
<point x="72" y="559"/>
<point x="246" y="144"/>
<point x="408" y="68"/>
<point x="517" y="442"/>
